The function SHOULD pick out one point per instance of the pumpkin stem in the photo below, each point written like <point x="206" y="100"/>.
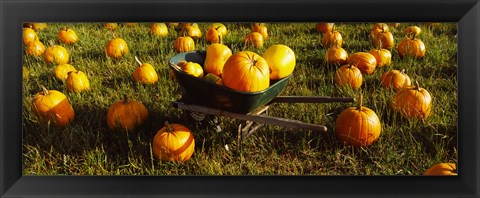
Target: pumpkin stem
<point x="125" y="99"/>
<point x="45" y="90"/>
<point x="169" y="128"/>
<point x="138" y="61"/>
<point x="403" y="71"/>
<point x="417" y="86"/>
<point x="360" y="102"/>
<point x="220" y="38"/>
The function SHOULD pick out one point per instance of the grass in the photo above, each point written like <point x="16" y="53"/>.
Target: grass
<point x="88" y="147"/>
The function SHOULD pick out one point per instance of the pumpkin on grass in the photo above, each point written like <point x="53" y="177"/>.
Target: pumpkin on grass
<point x="246" y="71"/>
<point x="173" y="142"/>
<point x="383" y="57"/>
<point x="383" y="39"/>
<point x="396" y="79"/>
<point x="56" y="55"/>
<point x="61" y="71"/>
<point x="411" y="47"/>
<point x="116" y="48"/>
<point x="358" y="126"/>
<point x="67" y="35"/>
<point x="413" y="102"/>
<point x="336" y="56"/>
<point x="254" y="39"/>
<point x="183" y="44"/>
<point x="260" y="28"/>
<point x="126" y="114"/>
<point x="53" y="107"/>
<point x="158" y="29"/>
<point x="441" y="169"/>
<point x="144" y="73"/>
<point x="77" y="81"/>
<point x="348" y="76"/>
<point x="366" y="62"/>
<point x="324" y="27"/>
<point x="35" y="48"/>
<point x="332" y="38"/>
<point x="29" y="36"/>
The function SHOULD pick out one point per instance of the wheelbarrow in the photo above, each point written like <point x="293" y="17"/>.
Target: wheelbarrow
<point x="204" y="97"/>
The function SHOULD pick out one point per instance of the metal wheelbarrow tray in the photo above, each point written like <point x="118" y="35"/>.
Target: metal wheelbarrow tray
<point x="206" y="97"/>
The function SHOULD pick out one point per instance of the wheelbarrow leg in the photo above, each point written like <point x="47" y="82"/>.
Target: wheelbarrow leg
<point x="246" y="131"/>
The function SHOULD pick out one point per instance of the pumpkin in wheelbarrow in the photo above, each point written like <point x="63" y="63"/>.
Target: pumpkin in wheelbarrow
<point x="246" y="71"/>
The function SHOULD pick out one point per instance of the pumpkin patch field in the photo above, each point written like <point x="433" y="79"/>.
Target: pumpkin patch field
<point x="98" y="98"/>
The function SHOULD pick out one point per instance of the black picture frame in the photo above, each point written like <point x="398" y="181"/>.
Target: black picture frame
<point x="13" y="13"/>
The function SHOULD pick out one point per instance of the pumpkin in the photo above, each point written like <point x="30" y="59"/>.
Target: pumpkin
<point x="25" y="73"/>
<point x="412" y="31"/>
<point x="35" y="48"/>
<point x="53" y="107"/>
<point x="254" y="39"/>
<point x="192" y="31"/>
<point x="67" y="36"/>
<point x="246" y="71"/>
<point x="411" y="47"/>
<point x="374" y="32"/>
<point x="158" y="29"/>
<point x="332" y="38"/>
<point x="324" y="27"/>
<point x="56" y="54"/>
<point x="260" y="28"/>
<point x="173" y="142"/>
<point x="216" y="56"/>
<point x="210" y="77"/>
<point x="348" y="76"/>
<point x="280" y="60"/>
<point x="38" y="26"/>
<point x="336" y="56"/>
<point x="61" y="71"/>
<point x="396" y="79"/>
<point x="110" y="26"/>
<point x="126" y="114"/>
<point x="413" y="102"/>
<point x="77" y="81"/>
<point x="383" y="57"/>
<point x="144" y="73"/>
<point x="394" y="25"/>
<point x="213" y="35"/>
<point x="183" y="44"/>
<point x="222" y="29"/>
<point x="191" y="68"/>
<point x="380" y="26"/>
<point x="29" y="36"/>
<point x="116" y="48"/>
<point x="441" y="169"/>
<point x="358" y="126"/>
<point x="365" y="61"/>
<point x="383" y="40"/>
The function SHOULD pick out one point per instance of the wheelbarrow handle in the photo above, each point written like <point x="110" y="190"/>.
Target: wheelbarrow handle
<point x="311" y="99"/>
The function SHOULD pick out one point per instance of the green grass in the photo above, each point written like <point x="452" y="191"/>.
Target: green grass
<point x="88" y="147"/>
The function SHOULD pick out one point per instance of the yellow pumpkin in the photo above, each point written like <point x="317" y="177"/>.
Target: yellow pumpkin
<point x="246" y="71"/>
<point x="61" y="71"/>
<point x="336" y="56"/>
<point x="29" y="36"/>
<point x="413" y="102"/>
<point x="441" y="169"/>
<point x="126" y="114"/>
<point x="38" y="26"/>
<point x="254" y="39"/>
<point x="412" y="31"/>
<point x="396" y="79"/>
<point x="281" y="61"/>
<point x="260" y="28"/>
<point x="77" y="81"/>
<point x="183" y="44"/>
<point x="216" y="56"/>
<point x="35" y="48"/>
<point x="365" y="61"/>
<point x="191" y="68"/>
<point x="116" y="48"/>
<point x="144" y="73"/>
<point x="110" y="26"/>
<point x="383" y="57"/>
<point x="53" y="107"/>
<point x="192" y="31"/>
<point x="67" y="36"/>
<point x="159" y="29"/>
<point x="173" y="142"/>
<point x="348" y="76"/>
<point x="358" y="126"/>
<point x="222" y="29"/>
<point x="56" y="54"/>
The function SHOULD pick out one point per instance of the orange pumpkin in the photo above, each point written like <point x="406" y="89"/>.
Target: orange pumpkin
<point x="396" y="79"/>
<point x="332" y="38"/>
<point x="348" y="76"/>
<point x="38" y="26"/>
<point x="324" y="27"/>
<point x="52" y="106"/>
<point x="216" y="56"/>
<point x="411" y="47"/>
<point x="441" y="169"/>
<point x="254" y="39"/>
<point x="260" y="28"/>
<point x="116" y="48"/>
<point x="77" y="81"/>
<point x="67" y="36"/>
<point x="281" y="61"/>
<point x="144" y="73"/>
<point x="158" y="29"/>
<point x="192" y="31"/>
<point x="173" y="142"/>
<point x="61" y="71"/>
<point x="35" y="48"/>
<point x="246" y="71"/>
<point x="380" y="26"/>
<point x="358" y="126"/>
<point x="213" y="35"/>
<point x="126" y="114"/>
<point x="29" y="36"/>
<point x="56" y="54"/>
<point x="365" y="61"/>
<point x="191" y="68"/>
<point x="183" y="44"/>
<point x="413" y="102"/>
<point x="383" y="57"/>
<point x="336" y="56"/>
<point x="383" y="40"/>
